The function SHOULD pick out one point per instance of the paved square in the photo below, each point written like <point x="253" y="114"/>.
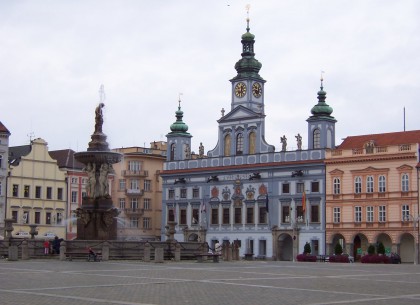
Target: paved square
<point x="41" y="282"/>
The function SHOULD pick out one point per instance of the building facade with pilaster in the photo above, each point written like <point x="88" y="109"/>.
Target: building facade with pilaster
<point x="268" y="202"/>
<point x="4" y="172"/>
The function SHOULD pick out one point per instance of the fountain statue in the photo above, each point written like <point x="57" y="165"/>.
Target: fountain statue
<point x="96" y="218"/>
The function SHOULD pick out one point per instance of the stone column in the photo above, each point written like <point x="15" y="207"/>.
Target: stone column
<point x="13" y="253"/>
<point x="25" y="250"/>
<point x="159" y="255"/>
<point x="229" y="252"/>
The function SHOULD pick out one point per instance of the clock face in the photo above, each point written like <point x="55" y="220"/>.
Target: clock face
<point x="240" y="89"/>
<point x="256" y="89"/>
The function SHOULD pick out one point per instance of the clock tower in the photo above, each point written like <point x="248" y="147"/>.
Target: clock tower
<point x="248" y="85"/>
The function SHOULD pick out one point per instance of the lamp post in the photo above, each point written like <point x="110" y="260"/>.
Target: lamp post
<point x="416" y="247"/>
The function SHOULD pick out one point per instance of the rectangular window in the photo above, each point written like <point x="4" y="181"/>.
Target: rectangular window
<point x="336" y="215"/>
<point x="358" y="214"/>
<point x="146" y="203"/>
<point x="382" y="213"/>
<point x="195" y="217"/>
<point x="122" y="203"/>
<point x="404" y="183"/>
<point x="74" y="180"/>
<point x="15" y="215"/>
<point x="73" y="196"/>
<point x="25" y="217"/>
<point x="226" y="216"/>
<point x="314" y="187"/>
<point x="37" y="219"/>
<point x="171" y="214"/>
<point x="214" y="216"/>
<point x="147" y="185"/>
<point x="15" y="192"/>
<point x="37" y="192"/>
<point x="300" y="187"/>
<point x="134" y="184"/>
<point x="59" y="218"/>
<point x="49" y="192"/>
<point x="84" y="194"/>
<point x="26" y="192"/>
<point x="405" y="212"/>
<point x="122" y="185"/>
<point x="134" y="166"/>
<point x="196" y="193"/>
<point x="249" y="215"/>
<point x="300" y="214"/>
<point x="59" y="193"/>
<point x="183" y="193"/>
<point x="285" y="215"/>
<point x="314" y="213"/>
<point x="183" y="217"/>
<point x="48" y="218"/>
<point x="263" y="215"/>
<point x="369" y="214"/>
<point x="285" y="188"/>
<point x="238" y="215"/>
<point x="134" y="222"/>
<point x="146" y="223"/>
<point x="134" y="204"/>
<point x="171" y="194"/>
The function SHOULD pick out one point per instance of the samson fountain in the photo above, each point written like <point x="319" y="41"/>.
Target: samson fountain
<point x="96" y="218"/>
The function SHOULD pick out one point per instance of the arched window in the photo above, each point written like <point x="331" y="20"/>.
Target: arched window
<point x="336" y="186"/>
<point x="404" y="183"/>
<point x="358" y="185"/>
<point x="317" y="138"/>
<point x="227" y="145"/>
<point x="382" y="184"/>
<point x="173" y="148"/>
<point x="252" y="138"/>
<point x="239" y="144"/>
<point x="369" y="184"/>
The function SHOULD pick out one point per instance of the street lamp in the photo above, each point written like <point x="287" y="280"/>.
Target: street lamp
<point x="416" y="247"/>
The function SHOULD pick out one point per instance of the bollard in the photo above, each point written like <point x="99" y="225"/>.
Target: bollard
<point x="63" y="249"/>
<point x="159" y="255"/>
<point x="13" y="253"/>
<point x="177" y="252"/>
<point x="25" y="250"/>
<point x="229" y="252"/>
<point x="105" y="251"/>
<point x="146" y="254"/>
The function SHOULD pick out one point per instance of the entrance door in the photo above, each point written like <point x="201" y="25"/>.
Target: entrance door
<point x="357" y="243"/>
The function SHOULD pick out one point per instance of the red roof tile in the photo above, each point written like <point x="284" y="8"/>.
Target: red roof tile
<point x="382" y="139"/>
<point x="3" y="128"/>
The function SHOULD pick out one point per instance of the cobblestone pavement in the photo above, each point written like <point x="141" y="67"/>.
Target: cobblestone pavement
<point x="41" y="282"/>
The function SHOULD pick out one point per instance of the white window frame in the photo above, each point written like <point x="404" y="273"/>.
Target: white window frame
<point x="336" y="215"/>
<point x="405" y="212"/>
<point x="357" y="214"/>
<point x="369" y="214"/>
<point x="382" y="213"/>
<point x="336" y="186"/>
<point x="357" y="185"/>
<point x="382" y="184"/>
<point x="404" y="183"/>
<point x="369" y="184"/>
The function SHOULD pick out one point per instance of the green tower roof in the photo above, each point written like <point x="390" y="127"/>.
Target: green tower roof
<point x="322" y="108"/>
<point x="179" y="127"/>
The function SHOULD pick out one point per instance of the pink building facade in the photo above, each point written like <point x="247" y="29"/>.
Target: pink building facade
<point x="372" y="196"/>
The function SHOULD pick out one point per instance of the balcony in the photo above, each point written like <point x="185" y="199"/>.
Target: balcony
<point x="134" y="192"/>
<point x="134" y="212"/>
<point x="134" y="173"/>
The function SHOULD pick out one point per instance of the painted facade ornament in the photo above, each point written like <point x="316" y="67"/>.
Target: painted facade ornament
<point x="214" y="192"/>
<point x="250" y="192"/>
<point x="262" y="190"/>
<point x="226" y="193"/>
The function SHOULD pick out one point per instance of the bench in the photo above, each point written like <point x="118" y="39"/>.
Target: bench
<point x="201" y="260"/>
<point x="83" y="255"/>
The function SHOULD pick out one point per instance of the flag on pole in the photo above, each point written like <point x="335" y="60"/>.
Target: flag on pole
<point x="304" y="202"/>
<point x="266" y="203"/>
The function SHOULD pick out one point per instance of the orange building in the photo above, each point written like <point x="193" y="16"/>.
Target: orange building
<point x="372" y="194"/>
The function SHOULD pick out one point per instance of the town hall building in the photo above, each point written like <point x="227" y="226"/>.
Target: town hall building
<point x="270" y="202"/>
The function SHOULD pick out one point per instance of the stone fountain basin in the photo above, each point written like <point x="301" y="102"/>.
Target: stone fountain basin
<point x="98" y="157"/>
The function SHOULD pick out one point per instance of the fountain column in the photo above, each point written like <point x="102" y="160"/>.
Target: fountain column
<point x="96" y="218"/>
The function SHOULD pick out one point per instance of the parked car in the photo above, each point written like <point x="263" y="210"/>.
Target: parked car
<point x="395" y="258"/>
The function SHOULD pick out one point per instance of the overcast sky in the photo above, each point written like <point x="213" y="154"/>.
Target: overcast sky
<point x="54" y="56"/>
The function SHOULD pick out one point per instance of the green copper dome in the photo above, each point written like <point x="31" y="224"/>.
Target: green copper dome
<point x="248" y="66"/>
<point x="179" y="127"/>
<point x="322" y="108"/>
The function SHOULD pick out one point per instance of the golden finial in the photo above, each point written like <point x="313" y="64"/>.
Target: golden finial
<point x="322" y="79"/>
<point x="247" y="7"/>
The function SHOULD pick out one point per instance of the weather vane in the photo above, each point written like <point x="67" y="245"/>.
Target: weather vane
<point x="247" y="7"/>
<point x="322" y="77"/>
<point x="179" y="99"/>
<point x="101" y="94"/>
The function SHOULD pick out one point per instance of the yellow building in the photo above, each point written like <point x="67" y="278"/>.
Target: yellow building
<point x="137" y="191"/>
<point x="36" y="192"/>
<point x="372" y="194"/>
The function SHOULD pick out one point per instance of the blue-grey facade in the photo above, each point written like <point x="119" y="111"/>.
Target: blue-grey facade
<point x="269" y="202"/>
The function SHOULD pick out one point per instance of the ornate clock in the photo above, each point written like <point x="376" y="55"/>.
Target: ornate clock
<point x="240" y="89"/>
<point x="256" y="89"/>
